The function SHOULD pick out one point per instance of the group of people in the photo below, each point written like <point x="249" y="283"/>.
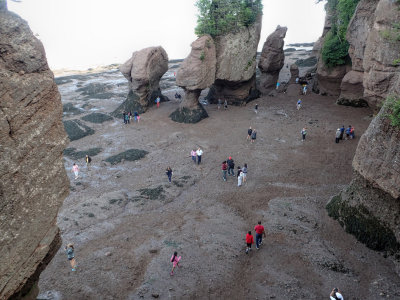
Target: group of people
<point x="341" y="131"/>
<point x="228" y="168"/>
<point x="196" y="155"/>
<point x="127" y="117"/>
<point x="260" y="232"/>
<point x="75" y="168"/>
<point x="251" y="135"/>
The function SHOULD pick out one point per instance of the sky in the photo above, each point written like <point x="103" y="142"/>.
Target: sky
<point x="78" y="34"/>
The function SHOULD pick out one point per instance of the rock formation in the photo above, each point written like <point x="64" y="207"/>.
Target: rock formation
<point x="235" y="79"/>
<point x="144" y="71"/>
<point x="33" y="181"/>
<point x="327" y="80"/>
<point x="272" y="60"/>
<point x="294" y="73"/>
<point x="381" y="74"/>
<point x="352" y="90"/>
<point x="370" y="207"/>
<point x="196" y="73"/>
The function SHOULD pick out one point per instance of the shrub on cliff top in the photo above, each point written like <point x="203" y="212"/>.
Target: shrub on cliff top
<point x="335" y="48"/>
<point x="217" y="17"/>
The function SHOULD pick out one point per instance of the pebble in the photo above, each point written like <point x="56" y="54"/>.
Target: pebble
<point x="154" y="295"/>
<point x="108" y="254"/>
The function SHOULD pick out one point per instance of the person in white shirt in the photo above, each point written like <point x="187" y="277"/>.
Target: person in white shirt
<point x="199" y="153"/>
<point x="336" y="295"/>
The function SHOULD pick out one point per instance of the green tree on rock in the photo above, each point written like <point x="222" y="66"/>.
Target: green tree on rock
<point x="217" y="17"/>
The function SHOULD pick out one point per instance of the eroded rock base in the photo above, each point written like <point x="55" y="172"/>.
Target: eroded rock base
<point x="189" y="115"/>
<point x="369" y="214"/>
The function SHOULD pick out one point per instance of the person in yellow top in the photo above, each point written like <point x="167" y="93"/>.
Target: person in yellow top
<point x="88" y="160"/>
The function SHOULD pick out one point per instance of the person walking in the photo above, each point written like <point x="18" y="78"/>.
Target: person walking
<point x="337" y="136"/>
<point x="336" y="294"/>
<point x="135" y="116"/>
<point x="225" y="104"/>
<point x="224" y="169"/>
<point x="244" y="170"/>
<point x="253" y="136"/>
<point x="305" y="89"/>
<point x="193" y="155"/>
<point x="256" y="108"/>
<point x="259" y="229"/>
<point x="231" y="166"/>
<point x="158" y="102"/>
<point x="277" y="85"/>
<point x="175" y="262"/>
<point x="239" y="176"/>
<point x="169" y="173"/>
<point x="88" y="160"/>
<point x="249" y="132"/>
<point x="124" y="116"/>
<point x="69" y="249"/>
<point x="298" y="104"/>
<point x="303" y="134"/>
<point x="199" y="153"/>
<point x="219" y="103"/>
<point x="75" y="169"/>
<point x="342" y="129"/>
<point x="249" y="241"/>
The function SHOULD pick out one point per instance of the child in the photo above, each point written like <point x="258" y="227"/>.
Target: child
<point x="193" y="155"/>
<point x="75" y="169"/>
<point x="240" y="176"/>
<point x="69" y="249"/>
<point x="249" y="241"/>
<point x="244" y="171"/>
<point x="175" y="261"/>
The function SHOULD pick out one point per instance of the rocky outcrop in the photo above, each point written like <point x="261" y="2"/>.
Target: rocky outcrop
<point x="196" y="73"/>
<point x="144" y="71"/>
<point x="235" y="79"/>
<point x="272" y="59"/>
<point x="377" y="157"/>
<point x="370" y="207"/>
<point x="33" y="181"/>
<point x="352" y="90"/>
<point x="327" y="80"/>
<point x="381" y="74"/>
<point x="294" y="73"/>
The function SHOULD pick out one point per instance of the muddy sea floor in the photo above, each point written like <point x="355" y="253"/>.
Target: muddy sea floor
<point x="126" y="220"/>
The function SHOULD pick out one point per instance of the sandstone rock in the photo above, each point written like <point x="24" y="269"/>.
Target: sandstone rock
<point x="197" y="71"/>
<point x="377" y="157"/>
<point x="272" y="59"/>
<point x="327" y="80"/>
<point x="294" y="73"/>
<point x="144" y="71"/>
<point x="236" y="65"/>
<point x="381" y="76"/>
<point x="352" y="91"/>
<point x="33" y="181"/>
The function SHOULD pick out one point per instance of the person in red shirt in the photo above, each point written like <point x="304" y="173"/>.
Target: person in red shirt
<point x="249" y="241"/>
<point x="224" y="170"/>
<point x="259" y="229"/>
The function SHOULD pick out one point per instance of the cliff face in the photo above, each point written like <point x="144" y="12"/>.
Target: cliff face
<point x="33" y="181"/>
<point x="370" y="207"/>
<point x="235" y="78"/>
<point x="381" y="74"/>
<point x="328" y="80"/>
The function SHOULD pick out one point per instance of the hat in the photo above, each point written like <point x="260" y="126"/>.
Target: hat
<point x="230" y="157"/>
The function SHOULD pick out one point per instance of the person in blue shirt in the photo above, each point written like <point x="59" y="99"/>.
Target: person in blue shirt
<point x="342" y="132"/>
<point x="298" y="104"/>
